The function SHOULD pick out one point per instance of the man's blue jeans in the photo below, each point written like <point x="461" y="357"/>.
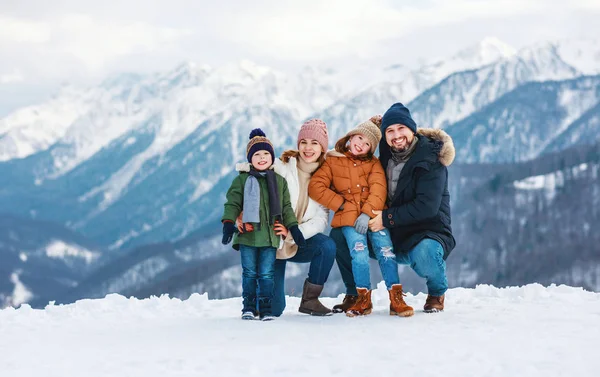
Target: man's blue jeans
<point x="426" y="259"/>
<point x="319" y="251"/>
<point x="258" y="266"/>
<point x="381" y="245"/>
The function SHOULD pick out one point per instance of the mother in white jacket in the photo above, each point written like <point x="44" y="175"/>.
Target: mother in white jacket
<point x="297" y="166"/>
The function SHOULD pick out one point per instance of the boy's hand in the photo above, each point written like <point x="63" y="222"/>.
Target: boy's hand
<point x="228" y="229"/>
<point x="297" y="235"/>
<point x="362" y="223"/>
<point x="280" y="229"/>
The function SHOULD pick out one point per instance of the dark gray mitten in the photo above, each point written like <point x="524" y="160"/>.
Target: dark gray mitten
<point x="362" y="223"/>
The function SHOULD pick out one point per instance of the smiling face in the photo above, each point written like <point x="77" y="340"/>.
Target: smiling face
<point x="359" y="145"/>
<point x="399" y="136"/>
<point x="262" y="160"/>
<point x="310" y="150"/>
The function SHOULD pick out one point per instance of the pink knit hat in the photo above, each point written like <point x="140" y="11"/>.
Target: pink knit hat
<point x="315" y="129"/>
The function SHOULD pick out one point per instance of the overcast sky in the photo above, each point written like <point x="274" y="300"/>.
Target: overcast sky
<point x="45" y="43"/>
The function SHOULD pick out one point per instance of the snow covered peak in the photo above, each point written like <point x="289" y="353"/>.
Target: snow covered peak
<point x="583" y="54"/>
<point x="487" y="51"/>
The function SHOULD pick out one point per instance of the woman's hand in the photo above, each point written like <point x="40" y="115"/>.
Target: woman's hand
<point x="243" y="227"/>
<point x="376" y="223"/>
<point x="280" y="230"/>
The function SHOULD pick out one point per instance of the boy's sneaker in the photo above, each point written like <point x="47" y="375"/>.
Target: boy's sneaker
<point x="267" y="317"/>
<point x="248" y="315"/>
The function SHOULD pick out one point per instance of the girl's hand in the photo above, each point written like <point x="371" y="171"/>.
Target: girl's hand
<point x="243" y="227"/>
<point x="280" y="230"/>
<point x="376" y="223"/>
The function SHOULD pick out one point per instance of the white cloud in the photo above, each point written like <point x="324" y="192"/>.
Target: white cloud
<point x="12" y="77"/>
<point x="81" y="41"/>
<point x="23" y="31"/>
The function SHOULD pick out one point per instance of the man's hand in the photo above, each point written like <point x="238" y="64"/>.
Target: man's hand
<point x="280" y="229"/>
<point x="376" y="223"/>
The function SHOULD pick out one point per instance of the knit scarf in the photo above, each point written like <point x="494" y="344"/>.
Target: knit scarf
<point x="305" y="169"/>
<point x="395" y="166"/>
<point x="252" y="197"/>
<point x="289" y="248"/>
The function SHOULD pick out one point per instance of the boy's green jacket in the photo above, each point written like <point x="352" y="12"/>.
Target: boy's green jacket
<point x="263" y="236"/>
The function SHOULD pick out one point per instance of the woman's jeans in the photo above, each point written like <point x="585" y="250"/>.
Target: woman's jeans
<point x="426" y="259"/>
<point x="319" y="251"/>
<point x="381" y="245"/>
<point x="258" y="266"/>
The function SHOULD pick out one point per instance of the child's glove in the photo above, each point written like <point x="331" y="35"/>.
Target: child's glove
<point x="297" y="235"/>
<point x="362" y="223"/>
<point x="228" y="229"/>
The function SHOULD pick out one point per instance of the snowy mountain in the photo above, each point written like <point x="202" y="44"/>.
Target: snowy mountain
<point x="531" y="119"/>
<point x="463" y="93"/>
<point x="532" y="331"/>
<point x="354" y="109"/>
<point x="140" y="163"/>
<point x="528" y="222"/>
<point x="41" y="259"/>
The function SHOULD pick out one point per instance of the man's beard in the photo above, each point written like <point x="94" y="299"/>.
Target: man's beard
<point x="396" y="150"/>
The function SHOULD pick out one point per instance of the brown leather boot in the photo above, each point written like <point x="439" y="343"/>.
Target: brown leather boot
<point x="363" y="305"/>
<point x="434" y="304"/>
<point x="310" y="303"/>
<point x="397" y="305"/>
<point x="346" y="303"/>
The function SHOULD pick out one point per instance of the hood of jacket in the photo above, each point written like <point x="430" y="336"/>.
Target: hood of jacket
<point x="439" y="143"/>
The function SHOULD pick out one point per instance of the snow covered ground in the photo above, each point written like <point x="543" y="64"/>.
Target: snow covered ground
<point x="520" y="331"/>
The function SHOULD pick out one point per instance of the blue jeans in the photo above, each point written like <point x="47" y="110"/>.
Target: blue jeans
<point x="426" y="259"/>
<point x="258" y="267"/>
<point x="382" y="247"/>
<point x="319" y="251"/>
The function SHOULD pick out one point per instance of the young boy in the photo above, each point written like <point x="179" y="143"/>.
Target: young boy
<point x="264" y="199"/>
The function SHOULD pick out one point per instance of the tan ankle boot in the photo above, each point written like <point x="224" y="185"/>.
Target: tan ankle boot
<point x="363" y="305"/>
<point x="397" y="305"/>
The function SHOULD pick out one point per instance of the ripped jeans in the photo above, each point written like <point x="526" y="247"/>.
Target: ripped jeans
<point x="383" y="250"/>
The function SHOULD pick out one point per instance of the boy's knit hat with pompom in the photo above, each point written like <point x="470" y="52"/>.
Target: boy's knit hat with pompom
<point x="370" y="129"/>
<point x="259" y="142"/>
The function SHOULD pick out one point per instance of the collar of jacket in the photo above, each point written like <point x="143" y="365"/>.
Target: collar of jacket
<point x="434" y="145"/>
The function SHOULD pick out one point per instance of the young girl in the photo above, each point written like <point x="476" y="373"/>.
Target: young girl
<point x="352" y="183"/>
<point x="264" y="198"/>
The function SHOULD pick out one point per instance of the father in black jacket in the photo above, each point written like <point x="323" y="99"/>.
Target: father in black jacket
<point x="418" y="204"/>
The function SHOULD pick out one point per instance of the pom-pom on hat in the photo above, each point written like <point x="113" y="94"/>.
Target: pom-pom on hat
<point x="259" y="142"/>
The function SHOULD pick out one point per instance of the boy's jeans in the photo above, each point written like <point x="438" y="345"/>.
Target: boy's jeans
<point x="258" y="266"/>
<point x="383" y="250"/>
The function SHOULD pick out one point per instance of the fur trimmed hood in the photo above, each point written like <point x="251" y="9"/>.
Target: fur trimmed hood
<point x="447" y="153"/>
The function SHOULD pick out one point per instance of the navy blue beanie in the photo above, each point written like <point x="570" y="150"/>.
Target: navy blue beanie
<point x="259" y="142"/>
<point x="398" y="114"/>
